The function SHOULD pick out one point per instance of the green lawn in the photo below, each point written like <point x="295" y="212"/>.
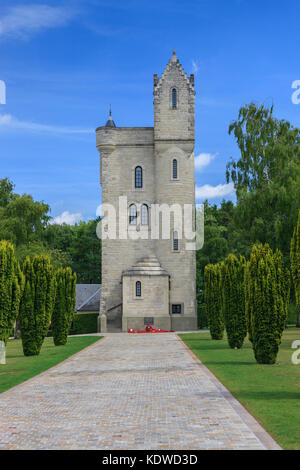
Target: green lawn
<point x="271" y="393"/>
<point x="19" y="368"/>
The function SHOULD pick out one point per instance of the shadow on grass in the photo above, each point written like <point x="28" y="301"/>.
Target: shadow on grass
<point x="230" y="363"/>
<point x="216" y="347"/>
<point x="265" y="395"/>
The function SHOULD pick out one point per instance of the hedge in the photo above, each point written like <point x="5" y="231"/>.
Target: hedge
<point x="83" y="323"/>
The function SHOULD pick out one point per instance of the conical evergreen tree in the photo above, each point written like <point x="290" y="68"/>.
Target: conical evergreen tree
<point x="233" y="271"/>
<point x="11" y="286"/>
<point x="295" y="265"/>
<point x="213" y="300"/>
<point x="267" y="302"/>
<point x="36" y="303"/>
<point x="64" y="305"/>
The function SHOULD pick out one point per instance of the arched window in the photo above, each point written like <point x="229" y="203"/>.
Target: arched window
<point x="174" y="98"/>
<point x="144" y="214"/>
<point x="132" y="214"/>
<point x="138" y="177"/>
<point x="175" y="241"/>
<point x="175" y="169"/>
<point x="138" y="289"/>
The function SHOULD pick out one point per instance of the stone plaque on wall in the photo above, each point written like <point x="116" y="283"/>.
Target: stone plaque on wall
<point x="148" y="320"/>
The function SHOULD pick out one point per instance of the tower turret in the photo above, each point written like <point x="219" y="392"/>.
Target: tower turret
<point x="174" y="98"/>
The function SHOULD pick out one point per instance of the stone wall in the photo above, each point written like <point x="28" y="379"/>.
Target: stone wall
<point x="122" y="149"/>
<point x="153" y="302"/>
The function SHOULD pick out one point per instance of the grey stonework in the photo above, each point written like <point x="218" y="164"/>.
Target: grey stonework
<point x="122" y="149"/>
<point x="145" y="392"/>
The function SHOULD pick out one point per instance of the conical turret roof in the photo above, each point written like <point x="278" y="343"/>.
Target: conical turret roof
<point x="110" y="122"/>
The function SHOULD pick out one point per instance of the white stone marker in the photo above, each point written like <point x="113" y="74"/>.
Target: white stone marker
<point x="2" y="353"/>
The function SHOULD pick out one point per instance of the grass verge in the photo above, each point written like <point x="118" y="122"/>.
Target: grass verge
<point x="19" y="368"/>
<point x="271" y="393"/>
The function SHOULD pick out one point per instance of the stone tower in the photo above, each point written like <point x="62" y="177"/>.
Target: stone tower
<point x="150" y="278"/>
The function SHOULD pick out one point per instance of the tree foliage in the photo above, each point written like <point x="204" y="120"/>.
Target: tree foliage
<point x="81" y="244"/>
<point x="11" y="286"/>
<point x="266" y="177"/>
<point x="23" y="219"/>
<point x="233" y="300"/>
<point x="295" y="265"/>
<point x="37" y="303"/>
<point x="266" y="302"/>
<point x="64" y="306"/>
<point x="213" y="300"/>
<point x="6" y="192"/>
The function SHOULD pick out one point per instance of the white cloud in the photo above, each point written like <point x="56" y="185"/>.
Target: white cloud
<point x="23" y="20"/>
<point x="195" y="67"/>
<point x="99" y="211"/>
<point x="211" y="192"/>
<point x="67" y="218"/>
<point x="7" y="121"/>
<point x="203" y="159"/>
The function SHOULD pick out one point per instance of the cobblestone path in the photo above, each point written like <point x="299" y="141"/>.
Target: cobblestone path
<point x="127" y="392"/>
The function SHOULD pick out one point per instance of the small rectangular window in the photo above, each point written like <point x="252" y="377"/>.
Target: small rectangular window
<point x="175" y="241"/>
<point x="138" y="177"/>
<point x="138" y="289"/>
<point x="174" y="98"/>
<point x="175" y="173"/>
<point x="176" y="308"/>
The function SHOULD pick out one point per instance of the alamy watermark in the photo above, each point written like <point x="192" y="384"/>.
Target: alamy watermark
<point x="132" y="221"/>
<point x="2" y="92"/>
<point x="296" y="95"/>
<point x="296" y="355"/>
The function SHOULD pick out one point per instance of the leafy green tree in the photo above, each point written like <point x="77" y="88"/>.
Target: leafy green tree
<point x="295" y="265"/>
<point x="36" y="303"/>
<point x="6" y="192"/>
<point x="213" y="300"/>
<point x="60" y="236"/>
<point x="11" y="286"/>
<point x="266" y="177"/>
<point x="266" y="302"/>
<point x="64" y="306"/>
<point x="233" y="270"/>
<point x="81" y="244"/>
<point x="59" y="258"/>
<point x="221" y="237"/>
<point x="85" y="253"/>
<point x="23" y="219"/>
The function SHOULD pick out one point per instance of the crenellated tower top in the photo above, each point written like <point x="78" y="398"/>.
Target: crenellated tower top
<point x="174" y="98"/>
<point x="173" y="64"/>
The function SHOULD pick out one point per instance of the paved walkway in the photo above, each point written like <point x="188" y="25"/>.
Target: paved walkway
<point x="127" y="392"/>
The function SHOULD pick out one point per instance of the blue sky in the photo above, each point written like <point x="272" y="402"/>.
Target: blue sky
<point x="64" y="62"/>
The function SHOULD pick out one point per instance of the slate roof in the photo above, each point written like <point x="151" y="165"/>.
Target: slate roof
<point x="88" y="297"/>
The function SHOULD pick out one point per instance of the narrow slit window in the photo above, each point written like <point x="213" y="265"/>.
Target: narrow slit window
<point x="175" y="169"/>
<point x="175" y="241"/>
<point x="144" y="214"/>
<point x="132" y="214"/>
<point x="174" y="98"/>
<point x="138" y="289"/>
<point x="138" y="177"/>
